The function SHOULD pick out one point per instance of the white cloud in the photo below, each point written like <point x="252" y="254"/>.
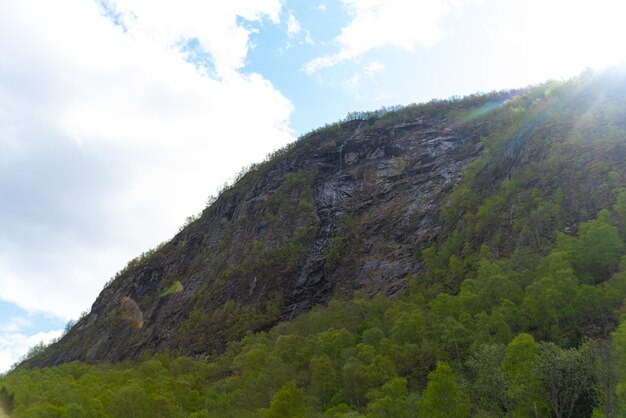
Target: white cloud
<point x="14" y="324"/>
<point x="404" y="24"/>
<point x="213" y="23"/>
<point x="373" y="68"/>
<point x="13" y="345"/>
<point x="308" y="39"/>
<point x="110" y="138"/>
<point x="293" y="26"/>
<point x="353" y="82"/>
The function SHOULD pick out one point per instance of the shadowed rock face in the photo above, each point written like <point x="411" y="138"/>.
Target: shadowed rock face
<point x="344" y="210"/>
<point x="391" y="183"/>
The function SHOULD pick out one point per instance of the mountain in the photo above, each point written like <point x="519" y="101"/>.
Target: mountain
<point x="347" y="209"/>
<point x="341" y="210"/>
<point x="472" y="247"/>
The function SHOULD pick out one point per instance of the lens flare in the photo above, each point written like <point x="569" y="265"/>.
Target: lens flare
<point x="480" y="111"/>
<point x="130" y="312"/>
<point x="176" y="287"/>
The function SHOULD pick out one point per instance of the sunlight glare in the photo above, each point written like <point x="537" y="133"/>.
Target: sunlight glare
<point x="560" y="38"/>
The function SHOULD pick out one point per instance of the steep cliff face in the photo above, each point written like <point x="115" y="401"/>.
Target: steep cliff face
<point x="342" y="210"/>
<point x="349" y="210"/>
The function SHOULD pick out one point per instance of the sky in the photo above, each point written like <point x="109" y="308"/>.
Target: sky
<point x="118" y="119"/>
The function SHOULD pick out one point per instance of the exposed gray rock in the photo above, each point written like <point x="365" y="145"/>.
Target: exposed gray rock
<point x="387" y="183"/>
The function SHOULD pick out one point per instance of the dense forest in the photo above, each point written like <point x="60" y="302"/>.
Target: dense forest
<point x="517" y="309"/>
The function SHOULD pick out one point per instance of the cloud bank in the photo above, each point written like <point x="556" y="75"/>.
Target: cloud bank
<point x="14" y="344"/>
<point x="404" y="24"/>
<point x="113" y="132"/>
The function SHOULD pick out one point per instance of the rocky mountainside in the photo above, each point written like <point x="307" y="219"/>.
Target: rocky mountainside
<point x="360" y="207"/>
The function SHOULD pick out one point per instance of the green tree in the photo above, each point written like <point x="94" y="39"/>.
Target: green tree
<point x="7" y="400"/>
<point x="606" y="379"/>
<point x="455" y="337"/>
<point x="600" y="250"/>
<point x="288" y="401"/>
<point x="334" y="341"/>
<point x="591" y="303"/>
<point x="550" y="299"/>
<point x="392" y="400"/>
<point x="373" y="336"/>
<point x="130" y="401"/>
<point x="488" y="383"/>
<point x="409" y="327"/>
<point x="566" y="375"/>
<point x="324" y="380"/>
<point x="490" y="329"/>
<point x="620" y="210"/>
<point x="355" y="379"/>
<point x="493" y="284"/>
<point x="442" y="397"/>
<point x="524" y="388"/>
<point x="619" y="365"/>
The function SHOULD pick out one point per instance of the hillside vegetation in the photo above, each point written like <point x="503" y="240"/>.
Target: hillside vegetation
<point x="516" y="307"/>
